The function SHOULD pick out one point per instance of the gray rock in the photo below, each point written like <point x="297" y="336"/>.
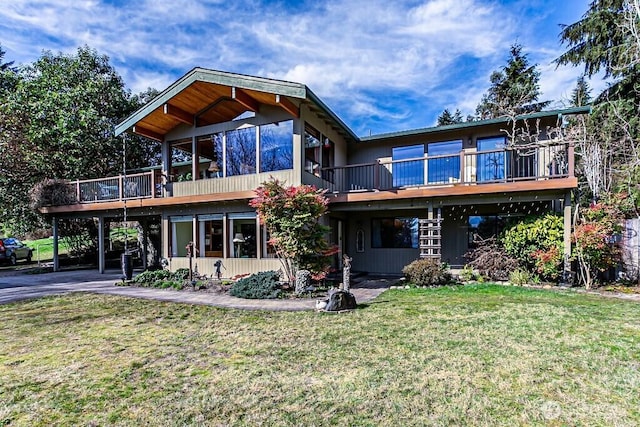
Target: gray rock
<point x="340" y="300"/>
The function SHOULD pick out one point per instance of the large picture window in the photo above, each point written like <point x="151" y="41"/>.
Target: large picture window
<point x="394" y="233"/>
<point x="445" y="167"/>
<point x="211" y="150"/>
<point x="241" y="151"/>
<point x="408" y="172"/>
<point x="276" y="146"/>
<point x="491" y="159"/>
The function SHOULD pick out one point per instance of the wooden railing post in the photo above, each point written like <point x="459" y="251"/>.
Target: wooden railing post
<point x="571" y="159"/>
<point x="153" y="184"/>
<point x="462" y="175"/>
<point x="78" y="191"/>
<point x="120" y="186"/>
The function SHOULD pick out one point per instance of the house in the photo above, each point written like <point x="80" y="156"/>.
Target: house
<point x="393" y="197"/>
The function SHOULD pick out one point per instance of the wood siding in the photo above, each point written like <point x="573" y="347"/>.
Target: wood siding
<point x="230" y="184"/>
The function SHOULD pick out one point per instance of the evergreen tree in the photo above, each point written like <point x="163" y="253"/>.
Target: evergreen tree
<point x="597" y="41"/>
<point x="581" y="94"/>
<point x="515" y="89"/>
<point x="446" y="118"/>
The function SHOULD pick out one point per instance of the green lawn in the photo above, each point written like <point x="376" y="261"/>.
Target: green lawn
<point x="44" y="247"/>
<point x="475" y="355"/>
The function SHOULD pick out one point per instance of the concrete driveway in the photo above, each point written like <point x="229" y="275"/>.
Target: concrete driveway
<point x="16" y="286"/>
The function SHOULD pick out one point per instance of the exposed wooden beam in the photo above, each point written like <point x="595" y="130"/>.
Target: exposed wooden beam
<point x="288" y="106"/>
<point x="147" y="132"/>
<point x="245" y="99"/>
<point x="178" y="114"/>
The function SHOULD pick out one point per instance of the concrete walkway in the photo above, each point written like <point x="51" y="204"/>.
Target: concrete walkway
<point x="17" y="287"/>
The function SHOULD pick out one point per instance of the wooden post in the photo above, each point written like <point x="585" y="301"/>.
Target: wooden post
<point x="120" y="187"/>
<point x="56" y="259"/>
<point x="101" y="244"/>
<point x="572" y="159"/>
<point x="462" y="174"/>
<point x="567" y="236"/>
<point x="153" y="184"/>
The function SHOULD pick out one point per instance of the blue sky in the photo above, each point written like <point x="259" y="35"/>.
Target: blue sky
<point x="381" y="65"/>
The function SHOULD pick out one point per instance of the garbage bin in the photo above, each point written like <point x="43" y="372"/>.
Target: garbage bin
<point x="126" y="261"/>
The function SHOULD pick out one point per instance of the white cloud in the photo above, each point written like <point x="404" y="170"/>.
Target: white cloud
<point x="397" y="63"/>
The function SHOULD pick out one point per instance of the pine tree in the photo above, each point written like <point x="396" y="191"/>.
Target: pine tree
<point x="446" y="118"/>
<point x="515" y="89"/>
<point x="581" y="94"/>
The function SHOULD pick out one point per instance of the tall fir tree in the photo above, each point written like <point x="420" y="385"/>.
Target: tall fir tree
<point x="581" y="94"/>
<point x="515" y="89"/>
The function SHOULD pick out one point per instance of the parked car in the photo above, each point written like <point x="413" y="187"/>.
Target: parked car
<point x="13" y="250"/>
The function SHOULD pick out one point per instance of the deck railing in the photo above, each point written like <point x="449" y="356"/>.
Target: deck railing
<point x="117" y="188"/>
<point x="466" y="167"/>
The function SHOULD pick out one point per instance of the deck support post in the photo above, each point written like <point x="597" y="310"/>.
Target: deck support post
<point x="567" y="236"/>
<point x="144" y="225"/>
<point x="101" y="250"/>
<point x="56" y="259"/>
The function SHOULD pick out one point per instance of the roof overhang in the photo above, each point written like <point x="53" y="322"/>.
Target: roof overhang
<point x="479" y="123"/>
<point x="203" y="97"/>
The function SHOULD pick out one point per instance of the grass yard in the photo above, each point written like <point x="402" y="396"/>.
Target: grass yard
<point x="43" y="248"/>
<point x="476" y="355"/>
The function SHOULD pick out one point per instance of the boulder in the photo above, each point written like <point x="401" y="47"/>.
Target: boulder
<point x="340" y="300"/>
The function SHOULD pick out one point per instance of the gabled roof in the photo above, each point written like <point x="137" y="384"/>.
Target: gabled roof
<point x="477" y="123"/>
<point x="203" y="97"/>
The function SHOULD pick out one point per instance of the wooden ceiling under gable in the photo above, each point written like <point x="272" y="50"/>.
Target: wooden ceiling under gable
<point x="204" y="104"/>
<point x="203" y="97"/>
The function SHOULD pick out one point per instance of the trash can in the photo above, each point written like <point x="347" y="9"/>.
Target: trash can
<point x="126" y="261"/>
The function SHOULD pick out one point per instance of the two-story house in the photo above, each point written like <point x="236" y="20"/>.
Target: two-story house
<point x="393" y="197"/>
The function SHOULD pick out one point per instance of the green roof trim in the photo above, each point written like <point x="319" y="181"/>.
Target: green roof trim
<point x="465" y="125"/>
<point x="278" y="87"/>
<point x="314" y="98"/>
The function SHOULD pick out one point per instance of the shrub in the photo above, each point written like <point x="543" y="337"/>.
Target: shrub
<point x="263" y="285"/>
<point x="537" y="243"/>
<point x="519" y="277"/>
<point x="467" y="273"/>
<point x="491" y="260"/>
<point x="52" y="192"/>
<point x="427" y="272"/>
<point x="162" y="279"/>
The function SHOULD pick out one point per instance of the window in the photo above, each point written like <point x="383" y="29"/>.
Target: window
<point x="241" y="151"/>
<point x="243" y="235"/>
<point x="491" y="164"/>
<point x="394" y="233"/>
<point x="311" y="150"/>
<point x="445" y="168"/>
<point x="180" y="161"/>
<point x="276" y="146"/>
<point x="484" y="227"/>
<point x="181" y="234"/>
<point x="410" y="172"/>
<point x="211" y="236"/>
<point x="210" y="147"/>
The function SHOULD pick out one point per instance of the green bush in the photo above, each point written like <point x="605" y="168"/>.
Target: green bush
<point x="427" y="272"/>
<point x="162" y="279"/>
<point x="520" y="277"/>
<point x="263" y="285"/>
<point x="537" y="243"/>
